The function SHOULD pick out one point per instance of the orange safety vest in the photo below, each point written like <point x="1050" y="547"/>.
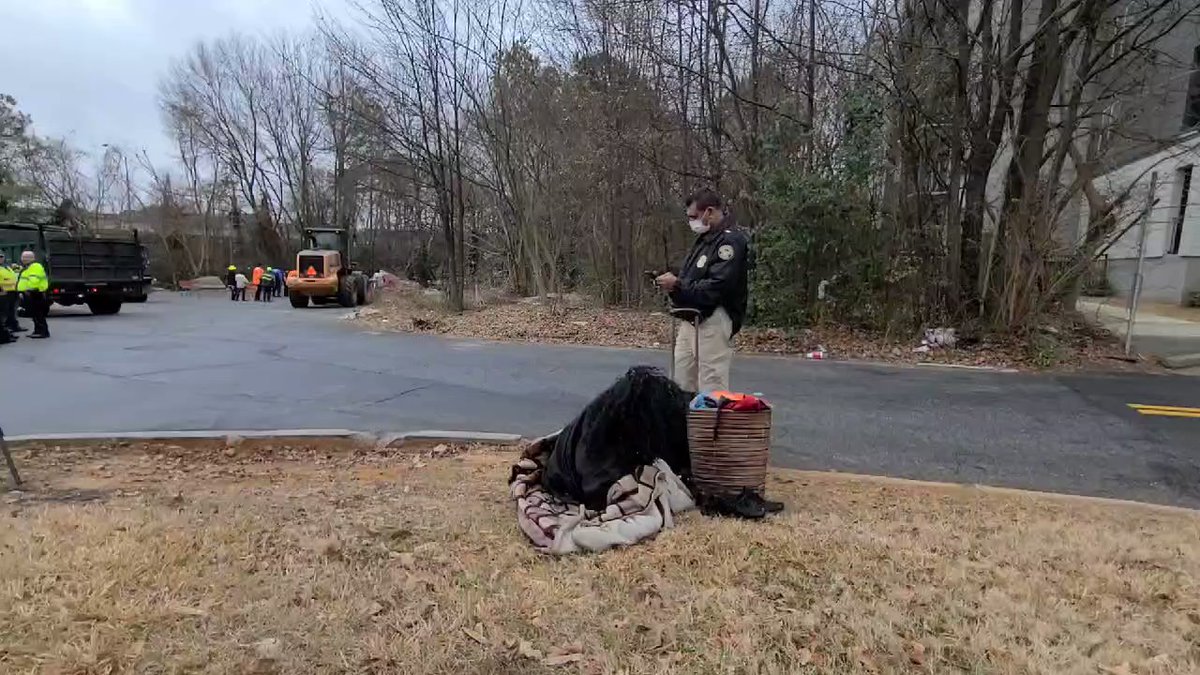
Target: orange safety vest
<point x="258" y="272"/>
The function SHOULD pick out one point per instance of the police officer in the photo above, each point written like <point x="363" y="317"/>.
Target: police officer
<point x="8" y="298"/>
<point x="712" y="281"/>
<point x="33" y="284"/>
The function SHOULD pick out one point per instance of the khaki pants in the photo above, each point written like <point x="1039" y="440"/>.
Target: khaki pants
<point x="716" y="353"/>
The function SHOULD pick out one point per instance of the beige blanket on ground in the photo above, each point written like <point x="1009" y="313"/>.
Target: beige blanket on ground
<point x="639" y="505"/>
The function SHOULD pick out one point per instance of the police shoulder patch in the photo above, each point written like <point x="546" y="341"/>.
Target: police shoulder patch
<point x="725" y="252"/>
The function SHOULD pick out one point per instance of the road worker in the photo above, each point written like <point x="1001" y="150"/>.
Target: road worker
<point x="267" y="284"/>
<point x="255" y="279"/>
<point x="240" y="283"/>
<point x="231" y="282"/>
<point x="32" y="284"/>
<point x="9" y="298"/>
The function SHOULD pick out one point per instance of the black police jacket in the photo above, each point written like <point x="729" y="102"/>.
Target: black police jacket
<point x="714" y="274"/>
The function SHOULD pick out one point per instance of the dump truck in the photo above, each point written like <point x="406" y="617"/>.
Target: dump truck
<point x="102" y="271"/>
<point x="326" y="273"/>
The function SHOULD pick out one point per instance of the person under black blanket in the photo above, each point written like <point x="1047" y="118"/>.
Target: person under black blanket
<point x="640" y="418"/>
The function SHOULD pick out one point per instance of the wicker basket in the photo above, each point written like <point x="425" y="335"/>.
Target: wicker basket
<point x="729" y="449"/>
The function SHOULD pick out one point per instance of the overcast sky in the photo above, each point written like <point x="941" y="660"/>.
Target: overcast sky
<point x="88" y="70"/>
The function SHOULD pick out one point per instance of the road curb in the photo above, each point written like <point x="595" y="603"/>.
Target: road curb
<point x="393" y="439"/>
<point x="396" y="439"/>
<point x="965" y="366"/>
<point x="985" y="489"/>
<point x="1180" y="361"/>
<point x="385" y="439"/>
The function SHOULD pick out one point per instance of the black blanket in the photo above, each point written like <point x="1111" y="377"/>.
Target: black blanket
<point x="640" y="418"/>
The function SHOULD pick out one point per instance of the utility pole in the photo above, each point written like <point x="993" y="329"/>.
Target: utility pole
<point x="812" y="82"/>
<point x="1136" y="292"/>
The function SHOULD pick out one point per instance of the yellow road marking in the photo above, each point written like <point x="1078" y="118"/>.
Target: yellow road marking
<point x="1140" y="406"/>
<point x="1165" y="410"/>
<point x="1170" y="413"/>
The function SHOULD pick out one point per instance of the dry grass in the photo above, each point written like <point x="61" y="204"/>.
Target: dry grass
<point x="308" y="558"/>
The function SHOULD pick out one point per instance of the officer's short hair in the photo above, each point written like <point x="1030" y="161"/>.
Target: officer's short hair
<point x="704" y="199"/>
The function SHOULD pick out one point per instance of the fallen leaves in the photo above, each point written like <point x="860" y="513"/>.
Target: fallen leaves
<point x="183" y="610"/>
<point x="866" y="662"/>
<point x="578" y="322"/>
<point x="563" y="657"/>
<point x="916" y="653"/>
<point x="525" y="649"/>
<point x="559" y="656"/>
<point x="476" y="633"/>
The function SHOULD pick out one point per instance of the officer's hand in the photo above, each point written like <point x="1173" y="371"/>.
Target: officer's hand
<point x="667" y="282"/>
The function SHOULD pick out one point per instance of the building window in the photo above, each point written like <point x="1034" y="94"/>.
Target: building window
<point x="1184" y="176"/>
<point x="1191" y="110"/>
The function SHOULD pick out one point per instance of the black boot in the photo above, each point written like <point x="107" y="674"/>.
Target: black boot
<point x="746" y="504"/>
<point x="770" y="506"/>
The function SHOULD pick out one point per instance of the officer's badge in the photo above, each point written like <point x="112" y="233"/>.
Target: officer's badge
<point x="725" y="252"/>
<point x="702" y="261"/>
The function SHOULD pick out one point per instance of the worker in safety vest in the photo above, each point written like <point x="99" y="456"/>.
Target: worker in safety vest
<point x="231" y="281"/>
<point x="266" y="284"/>
<point x="8" y="294"/>
<point x="33" y="284"/>
<point x="254" y="280"/>
<point x="9" y="298"/>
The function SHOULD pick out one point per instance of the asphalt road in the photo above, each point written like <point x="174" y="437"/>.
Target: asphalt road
<point x="205" y="363"/>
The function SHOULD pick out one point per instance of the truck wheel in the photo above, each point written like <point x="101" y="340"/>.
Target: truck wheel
<point x="346" y="294"/>
<point x="363" y="299"/>
<point x="298" y="301"/>
<point x="104" y="306"/>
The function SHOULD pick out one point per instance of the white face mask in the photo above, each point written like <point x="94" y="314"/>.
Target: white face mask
<point x="698" y="226"/>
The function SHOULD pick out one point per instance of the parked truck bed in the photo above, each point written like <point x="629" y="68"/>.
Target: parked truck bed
<point x="101" y="271"/>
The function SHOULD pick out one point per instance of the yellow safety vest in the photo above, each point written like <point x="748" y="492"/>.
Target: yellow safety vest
<point x="8" y="280"/>
<point x="33" y="278"/>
